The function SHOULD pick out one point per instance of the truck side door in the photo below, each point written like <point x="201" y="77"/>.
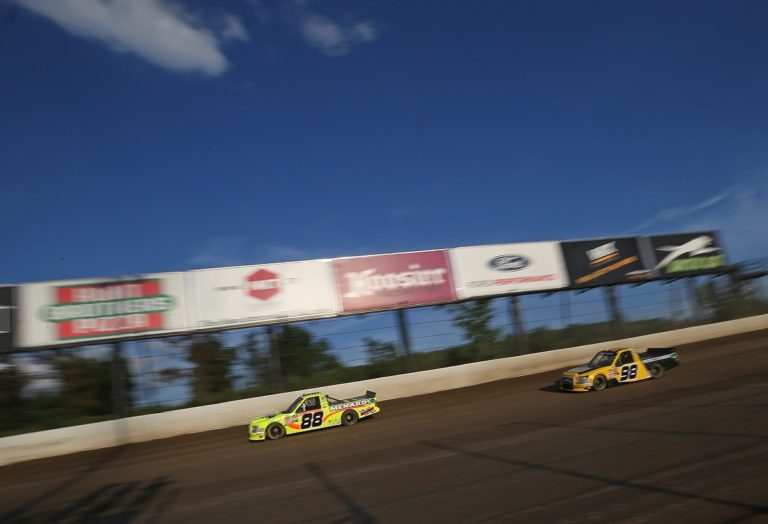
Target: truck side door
<point x="626" y="367"/>
<point x="311" y="413"/>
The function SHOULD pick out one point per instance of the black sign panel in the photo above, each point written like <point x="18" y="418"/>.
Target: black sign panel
<point x="604" y="261"/>
<point x="6" y="318"/>
<point x="687" y="254"/>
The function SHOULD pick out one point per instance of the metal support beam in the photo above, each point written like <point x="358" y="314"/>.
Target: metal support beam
<point x="565" y="318"/>
<point x="119" y="382"/>
<point x="617" y="321"/>
<point x="405" y="339"/>
<point x="275" y="369"/>
<point x="518" y="326"/>
<point x="694" y="298"/>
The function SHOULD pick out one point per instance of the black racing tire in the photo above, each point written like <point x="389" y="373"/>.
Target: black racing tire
<point x="275" y="431"/>
<point x="599" y="383"/>
<point x="349" y="418"/>
<point x="656" y="369"/>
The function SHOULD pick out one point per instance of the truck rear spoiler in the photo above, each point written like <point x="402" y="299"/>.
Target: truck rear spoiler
<point x="370" y="394"/>
<point x="660" y="351"/>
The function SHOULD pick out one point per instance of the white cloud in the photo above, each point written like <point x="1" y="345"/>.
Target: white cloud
<point x="220" y="252"/>
<point x="363" y="32"/>
<point x="740" y="213"/>
<point x="682" y="212"/>
<point x="332" y="38"/>
<point x="232" y="28"/>
<point x="159" y="31"/>
<point x="227" y="251"/>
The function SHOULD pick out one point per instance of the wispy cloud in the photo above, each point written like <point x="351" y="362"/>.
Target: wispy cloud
<point x="333" y="38"/>
<point x="219" y="252"/>
<point x="239" y="251"/>
<point x="161" y="32"/>
<point x="740" y="212"/>
<point x="674" y="213"/>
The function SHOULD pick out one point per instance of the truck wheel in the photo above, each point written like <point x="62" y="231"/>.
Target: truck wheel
<point x="657" y="370"/>
<point x="275" y="431"/>
<point x="599" y="383"/>
<point x="349" y="417"/>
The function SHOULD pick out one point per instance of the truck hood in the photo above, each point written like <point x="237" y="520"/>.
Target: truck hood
<point x="270" y="417"/>
<point x="581" y="369"/>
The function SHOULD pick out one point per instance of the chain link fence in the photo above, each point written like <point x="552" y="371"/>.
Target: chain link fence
<point x="62" y="387"/>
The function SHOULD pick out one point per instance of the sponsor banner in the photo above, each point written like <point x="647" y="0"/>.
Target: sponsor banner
<point x="604" y="261"/>
<point x="686" y="254"/>
<point x="252" y="295"/>
<point x="508" y="268"/>
<point x="6" y="318"/>
<point x="394" y="280"/>
<point x="73" y="311"/>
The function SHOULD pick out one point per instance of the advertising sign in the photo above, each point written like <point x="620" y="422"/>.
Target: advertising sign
<point x="251" y="295"/>
<point x="394" y="280"/>
<point x="604" y="261"/>
<point x="508" y="268"/>
<point x="52" y="313"/>
<point x="686" y="254"/>
<point x="6" y="318"/>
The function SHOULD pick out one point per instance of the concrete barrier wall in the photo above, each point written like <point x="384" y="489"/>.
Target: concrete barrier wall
<point x="204" y="418"/>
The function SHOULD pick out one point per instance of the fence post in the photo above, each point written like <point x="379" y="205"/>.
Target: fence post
<point x="117" y="369"/>
<point x="405" y="339"/>
<point x="694" y="299"/>
<point x="565" y="318"/>
<point x="275" y="370"/>
<point x="518" y="326"/>
<point x="617" y="322"/>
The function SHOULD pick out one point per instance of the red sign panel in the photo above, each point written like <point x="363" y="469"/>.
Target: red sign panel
<point x="111" y="308"/>
<point x="390" y="281"/>
<point x="263" y="284"/>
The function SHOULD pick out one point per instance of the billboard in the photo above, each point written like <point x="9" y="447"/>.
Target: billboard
<point x="604" y="261"/>
<point x="394" y="280"/>
<point x="251" y="295"/>
<point x="6" y="318"/>
<point x="686" y="254"/>
<point x="51" y="313"/>
<point x="508" y="268"/>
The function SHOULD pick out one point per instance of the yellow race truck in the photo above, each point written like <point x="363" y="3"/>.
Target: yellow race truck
<point x="313" y="411"/>
<point x="617" y="366"/>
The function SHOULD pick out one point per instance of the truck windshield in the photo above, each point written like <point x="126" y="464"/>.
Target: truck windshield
<point x="294" y="405"/>
<point x="603" y="358"/>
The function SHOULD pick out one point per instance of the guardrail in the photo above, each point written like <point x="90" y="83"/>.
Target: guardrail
<point x="74" y="439"/>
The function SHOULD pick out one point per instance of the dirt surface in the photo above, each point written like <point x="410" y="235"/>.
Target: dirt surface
<point x="689" y="447"/>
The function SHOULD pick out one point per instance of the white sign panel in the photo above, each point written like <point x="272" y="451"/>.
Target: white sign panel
<point x="251" y="295"/>
<point x="508" y="268"/>
<point x="73" y="311"/>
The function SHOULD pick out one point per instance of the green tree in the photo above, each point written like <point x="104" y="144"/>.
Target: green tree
<point x="383" y="358"/>
<point x="87" y="384"/>
<point x="475" y="319"/>
<point x="12" y="382"/>
<point x="301" y="355"/>
<point x="256" y="359"/>
<point x="212" y="374"/>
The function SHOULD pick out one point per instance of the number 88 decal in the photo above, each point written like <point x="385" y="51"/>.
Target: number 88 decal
<point x="629" y="372"/>
<point x="310" y="420"/>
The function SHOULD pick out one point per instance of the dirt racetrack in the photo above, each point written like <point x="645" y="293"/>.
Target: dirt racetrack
<point x="690" y="447"/>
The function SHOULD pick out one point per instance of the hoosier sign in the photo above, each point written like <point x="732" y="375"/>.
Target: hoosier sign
<point x="393" y="281"/>
<point x="75" y="311"/>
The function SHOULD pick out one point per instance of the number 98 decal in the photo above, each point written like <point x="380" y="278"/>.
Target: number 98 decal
<point x="628" y="372"/>
<point x="311" y="420"/>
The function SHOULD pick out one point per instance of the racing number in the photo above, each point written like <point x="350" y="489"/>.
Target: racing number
<point x="629" y="372"/>
<point x="310" y="420"/>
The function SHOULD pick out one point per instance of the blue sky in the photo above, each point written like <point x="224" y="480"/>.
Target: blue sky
<point x="148" y="135"/>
